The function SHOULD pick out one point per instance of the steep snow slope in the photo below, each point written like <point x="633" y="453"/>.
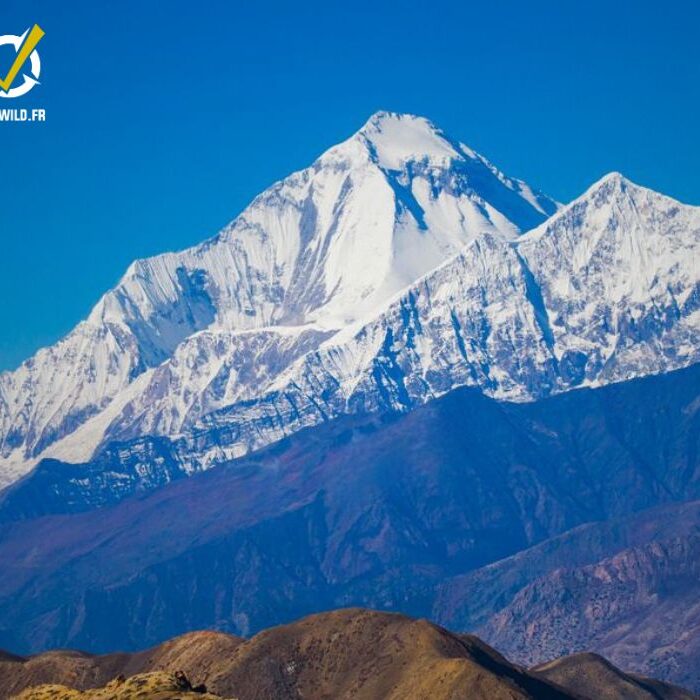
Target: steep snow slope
<point x="315" y="252"/>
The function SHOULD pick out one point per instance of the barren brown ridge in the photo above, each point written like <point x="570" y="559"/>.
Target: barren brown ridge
<point x="339" y="655"/>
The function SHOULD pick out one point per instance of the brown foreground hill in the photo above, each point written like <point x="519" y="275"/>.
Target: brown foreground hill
<point x="340" y="655"/>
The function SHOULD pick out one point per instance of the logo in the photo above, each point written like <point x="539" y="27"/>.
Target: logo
<point x="27" y="56"/>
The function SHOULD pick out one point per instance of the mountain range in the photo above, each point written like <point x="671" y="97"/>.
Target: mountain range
<point x="399" y="379"/>
<point x="384" y="275"/>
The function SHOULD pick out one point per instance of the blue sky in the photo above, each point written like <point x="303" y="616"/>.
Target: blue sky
<point x="165" y="118"/>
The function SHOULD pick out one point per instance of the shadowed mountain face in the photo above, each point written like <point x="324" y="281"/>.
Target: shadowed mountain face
<point x="371" y="511"/>
<point x="343" y="655"/>
<point x="467" y="601"/>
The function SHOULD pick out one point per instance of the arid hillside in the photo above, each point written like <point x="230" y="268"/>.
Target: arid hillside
<point x="341" y="655"/>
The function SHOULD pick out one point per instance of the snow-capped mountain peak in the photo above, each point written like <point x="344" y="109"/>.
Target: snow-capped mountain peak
<point x="317" y="251"/>
<point x="397" y="139"/>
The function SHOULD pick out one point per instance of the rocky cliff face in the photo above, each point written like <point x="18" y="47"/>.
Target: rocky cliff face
<point x="625" y="587"/>
<point x="606" y="290"/>
<point x="470" y="600"/>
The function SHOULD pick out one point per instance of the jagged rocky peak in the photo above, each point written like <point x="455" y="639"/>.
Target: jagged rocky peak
<point x="604" y="290"/>
<point x="614" y="185"/>
<point x="618" y="242"/>
<point x="614" y="195"/>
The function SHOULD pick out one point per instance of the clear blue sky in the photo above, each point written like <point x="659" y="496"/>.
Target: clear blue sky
<point x="166" y="118"/>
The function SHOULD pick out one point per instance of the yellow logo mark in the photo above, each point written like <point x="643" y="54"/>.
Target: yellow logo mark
<point x="30" y="43"/>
